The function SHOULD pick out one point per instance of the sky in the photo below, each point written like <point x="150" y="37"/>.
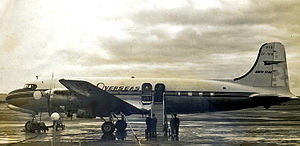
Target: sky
<point x="143" y="38"/>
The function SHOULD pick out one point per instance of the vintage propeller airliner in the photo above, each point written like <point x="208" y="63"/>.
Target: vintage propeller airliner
<point x="265" y="84"/>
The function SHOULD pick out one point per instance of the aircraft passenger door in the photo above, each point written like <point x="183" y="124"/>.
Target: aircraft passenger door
<point x="159" y="92"/>
<point x="146" y="94"/>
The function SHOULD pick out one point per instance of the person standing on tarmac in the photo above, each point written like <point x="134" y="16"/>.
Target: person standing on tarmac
<point x="174" y="123"/>
<point x="177" y="123"/>
<point x="149" y="126"/>
<point x="153" y="123"/>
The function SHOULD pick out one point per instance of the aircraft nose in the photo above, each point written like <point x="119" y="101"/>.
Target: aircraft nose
<point x="18" y="97"/>
<point x="11" y="96"/>
<point x="8" y="98"/>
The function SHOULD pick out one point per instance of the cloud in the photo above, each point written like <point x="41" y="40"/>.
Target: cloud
<point x="276" y="20"/>
<point x="255" y="12"/>
<point x="188" y="39"/>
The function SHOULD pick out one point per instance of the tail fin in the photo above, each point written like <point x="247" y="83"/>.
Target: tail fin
<point x="269" y="69"/>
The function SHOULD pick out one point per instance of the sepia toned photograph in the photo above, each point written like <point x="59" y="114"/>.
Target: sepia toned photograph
<point x="149" y="72"/>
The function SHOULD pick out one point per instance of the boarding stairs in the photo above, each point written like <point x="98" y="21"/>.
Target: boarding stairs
<point x="158" y="108"/>
<point x="157" y="101"/>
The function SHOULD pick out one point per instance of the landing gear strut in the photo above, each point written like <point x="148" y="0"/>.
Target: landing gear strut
<point x="59" y="124"/>
<point x="108" y="128"/>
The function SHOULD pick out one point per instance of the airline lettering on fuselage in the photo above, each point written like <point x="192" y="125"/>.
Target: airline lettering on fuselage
<point x="117" y="88"/>
<point x="121" y="88"/>
<point x="261" y="71"/>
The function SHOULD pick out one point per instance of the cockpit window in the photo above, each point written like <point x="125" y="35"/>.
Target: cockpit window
<point x="30" y="86"/>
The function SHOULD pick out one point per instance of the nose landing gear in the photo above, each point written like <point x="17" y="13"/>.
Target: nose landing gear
<point x="34" y="126"/>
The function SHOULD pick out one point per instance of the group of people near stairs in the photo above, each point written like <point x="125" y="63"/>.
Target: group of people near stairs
<point x="151" y="123"/>
<point x="151" y="126"/>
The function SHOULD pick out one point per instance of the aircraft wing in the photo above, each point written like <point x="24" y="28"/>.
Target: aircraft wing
<point x="100" y="102"/>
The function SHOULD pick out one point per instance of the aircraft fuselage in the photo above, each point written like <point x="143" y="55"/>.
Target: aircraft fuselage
<point x="181" y="96"/>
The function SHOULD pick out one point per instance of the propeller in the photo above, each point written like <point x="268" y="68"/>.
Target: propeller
<point x="50" y="94"/>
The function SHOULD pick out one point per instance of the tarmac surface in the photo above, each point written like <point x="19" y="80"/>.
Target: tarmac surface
<point x="279" y="125"/>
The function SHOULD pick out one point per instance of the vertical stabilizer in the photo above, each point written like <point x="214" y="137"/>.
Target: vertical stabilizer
<point x="269" y="69"/>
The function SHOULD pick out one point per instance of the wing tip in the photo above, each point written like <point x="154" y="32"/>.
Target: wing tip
<point x="61" y="80"/>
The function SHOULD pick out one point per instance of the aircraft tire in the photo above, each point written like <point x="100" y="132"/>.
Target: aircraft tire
<point x="121" y="125"/>
<point x="108" y="127"/>
<point x="28" y="126"/>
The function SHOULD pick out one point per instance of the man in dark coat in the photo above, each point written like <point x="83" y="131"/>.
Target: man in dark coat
<point x="153" y="124"/>
<point x="149" y="126"/>
<point x="174" y="123"/>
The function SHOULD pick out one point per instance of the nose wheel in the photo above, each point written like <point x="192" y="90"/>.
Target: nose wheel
<point x="28" y="126"/>
<point x="33" y="126"/>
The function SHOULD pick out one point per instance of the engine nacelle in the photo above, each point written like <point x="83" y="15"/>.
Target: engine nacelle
<point x="82" y="113"/>
<point x="60" y="97"/>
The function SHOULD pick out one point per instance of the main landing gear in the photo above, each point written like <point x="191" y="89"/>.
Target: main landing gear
<point x="108" y="128"/>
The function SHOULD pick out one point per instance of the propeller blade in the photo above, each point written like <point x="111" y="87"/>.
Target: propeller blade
<point x="50" y="95"/>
